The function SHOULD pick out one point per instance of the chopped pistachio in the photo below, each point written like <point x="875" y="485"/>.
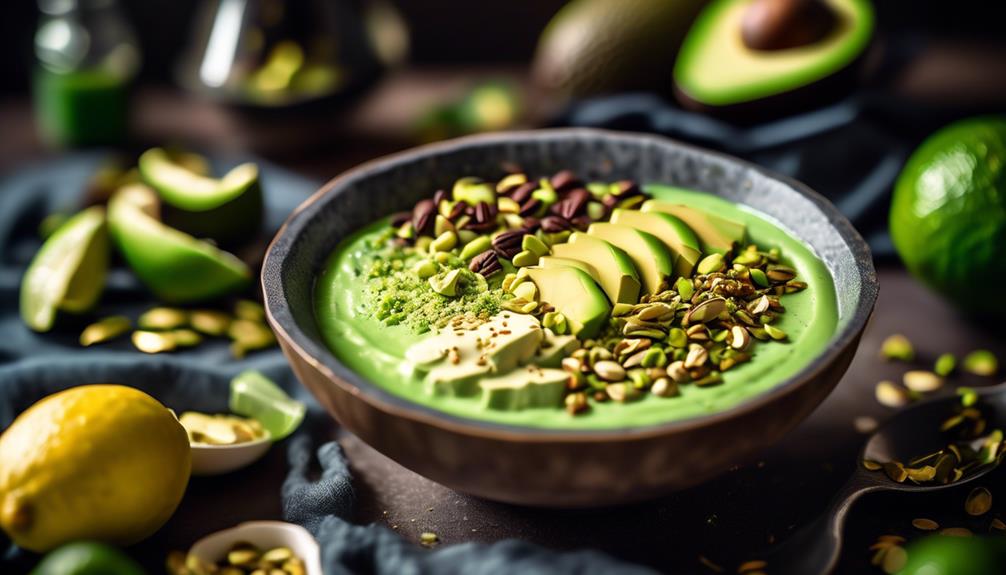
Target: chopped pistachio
<point x="475" y="247"/>
<point x="446" y="283"/>
<point x="684" y="288"/>
<point x="759" y="278"/>
<point x="525" y="258"/>
<point x="981" y="362"/>
<point x="890" y="395"/>
<point x="105" y="329"/>
<point x="153" y="341"/>
<point x="897" y="347"/>
<point x="162" y="318"/>
<point x="945" y="364"/>
<point x="425" y="269"/>
<point x="442" y="225"/>
<point x="445" y="242"/>
<point x="922" y="381"/>
<point x="709" y="264"/>
<point x="526" y="291"/>
<point x="534" y="245"/>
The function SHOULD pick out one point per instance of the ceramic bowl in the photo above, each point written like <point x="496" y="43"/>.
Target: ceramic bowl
<point x="264" y="535"/>
<point x="220" y="459"/>
<point x="558" y="468"/>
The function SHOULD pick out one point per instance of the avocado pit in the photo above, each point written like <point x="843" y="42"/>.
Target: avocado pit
<point x="785" y="24"/>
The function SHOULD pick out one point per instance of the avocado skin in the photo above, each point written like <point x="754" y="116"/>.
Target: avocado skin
<point x="603" y="46"/>
<point x="232" y="224"/>
<point x="828" y="90"/>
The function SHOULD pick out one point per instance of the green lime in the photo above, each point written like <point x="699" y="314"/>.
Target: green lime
<point x="176" y="267"/>
<point x="946" y="555"/>
<point x="948" y="214"/>
<point x="87" y="558"/>
<point x="256" y="396"/>
<point x="68" y="272"/>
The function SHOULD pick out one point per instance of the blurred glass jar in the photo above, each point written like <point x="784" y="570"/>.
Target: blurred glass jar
<point x="86" y="59"/>
<point x="276" y="53"/>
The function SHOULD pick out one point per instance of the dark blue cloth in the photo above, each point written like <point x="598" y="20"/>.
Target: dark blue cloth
<point x="33" y="366"/>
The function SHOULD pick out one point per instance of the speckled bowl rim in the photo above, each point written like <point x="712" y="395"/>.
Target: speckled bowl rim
<point x="321" y="358"/>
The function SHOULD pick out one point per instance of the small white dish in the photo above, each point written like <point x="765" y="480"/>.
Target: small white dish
<point x="264" y="535"/>
<point x="220" y="459"/>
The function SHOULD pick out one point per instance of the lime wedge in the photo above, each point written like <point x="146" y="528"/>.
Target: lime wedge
<point x="68" y="272"/>
<point x="256" y="396"/>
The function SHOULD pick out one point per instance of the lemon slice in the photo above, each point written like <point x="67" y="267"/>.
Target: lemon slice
<point x="68" y="272"/>
<point x="254" y="395"/>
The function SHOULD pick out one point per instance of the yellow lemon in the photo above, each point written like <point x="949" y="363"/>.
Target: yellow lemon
<point x="99" y="462"/>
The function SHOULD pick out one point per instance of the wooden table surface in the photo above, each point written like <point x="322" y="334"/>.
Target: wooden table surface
<point x="730" y="519"/>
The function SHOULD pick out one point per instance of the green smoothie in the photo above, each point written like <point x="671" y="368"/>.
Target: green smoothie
<point x="376" y="350"/>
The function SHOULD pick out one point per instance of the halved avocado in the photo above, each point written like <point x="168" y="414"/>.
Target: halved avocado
<point x="675" y="234"/>
<point x="715" y="233"/>
<point x="718" y="70"/>
<point x="228" y="209"/>
<point x="175" y="266"/>
<point x="614" y="270"/>
<point x="650" y="256"/>
<point x="559" y="262"/>
<point x="575" y="295"/>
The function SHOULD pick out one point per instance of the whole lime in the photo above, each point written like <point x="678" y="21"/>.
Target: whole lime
<point x="948" y="214"/>
<point x="87" y="558"/>
<point x="946" y="555"/>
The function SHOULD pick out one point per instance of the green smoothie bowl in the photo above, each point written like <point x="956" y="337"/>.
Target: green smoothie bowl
<point x="567" y="318"/>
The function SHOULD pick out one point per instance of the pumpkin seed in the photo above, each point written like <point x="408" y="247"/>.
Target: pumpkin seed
<point x="748" y="566"/>
<point x="957" y="532"/>
<point x="890" y="395"/>
<point x="894" y="560"/>
<point x="758" y="277"/>
<point x="945" y="364"/>
<point x="981" y="362"/>
<point x="186" y="337"/>
<point x="922" y="381"/>
<point x="428" y="539"/>
<point x="250" y="310"/>
<point x="979" y="502"/>
<point x="153" y="341"/>
<point x="923" y="524"/>
<point x="162" y="318"/>
<point x="277" y="555"/>
<point x="104" y="330"/>
<point x="209" y="322"/>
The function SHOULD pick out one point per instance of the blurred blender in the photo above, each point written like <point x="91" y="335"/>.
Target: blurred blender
<point x="86" y="59"/>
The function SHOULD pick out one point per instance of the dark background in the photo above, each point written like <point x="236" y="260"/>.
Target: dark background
<point x="458" y="31"/>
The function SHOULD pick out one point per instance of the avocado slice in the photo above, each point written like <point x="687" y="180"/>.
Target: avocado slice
<point x="175" y="266"/>
<point x="228" y="209"/>
<point x="675" y="234"/>
<point x="614" y="270"/>
<point x="575" y="295"/>
<point x="717" y="70"/>
<point x="715" y="233"/>
<point x="525" y="387"/>
<point x="651" y="257"/>
<point x="558" y="262"/>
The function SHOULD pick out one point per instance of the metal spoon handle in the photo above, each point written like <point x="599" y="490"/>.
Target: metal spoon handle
<point x="816" y="547"/>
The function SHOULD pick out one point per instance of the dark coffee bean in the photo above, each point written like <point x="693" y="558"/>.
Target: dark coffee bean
<point x="523" y="192"/>
<point x="485" y="263"/>
<point x="481" y="227"/>
<point x="554" y="224"/>
<point x="439" y="196"/>
<point x="529" y="207"/>
<point x="399" y="218"/>
<point x="508" y="244"/>
<point x="625" y="189"/>
<point x="423" y="217"/>
<point x="456" y="210"/>
<point x="485" y="212"/>
<point x="565" y="180"/>
<point x="531" y="224"/>
<point x="581" y="222"/>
